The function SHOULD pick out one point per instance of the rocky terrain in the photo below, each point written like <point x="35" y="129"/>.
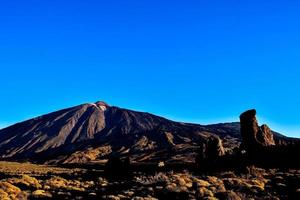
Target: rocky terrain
<point x="90" y="133"/>
<point x="97" y="151"/>
<point x="27" y="181"/>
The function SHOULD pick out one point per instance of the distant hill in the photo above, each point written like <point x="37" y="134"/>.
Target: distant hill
<point x="89" y="133"/>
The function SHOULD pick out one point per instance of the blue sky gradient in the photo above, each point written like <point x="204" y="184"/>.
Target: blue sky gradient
<point x="198" y="61"/>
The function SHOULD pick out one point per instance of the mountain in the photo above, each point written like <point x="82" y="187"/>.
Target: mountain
<point x="89" y="133"/>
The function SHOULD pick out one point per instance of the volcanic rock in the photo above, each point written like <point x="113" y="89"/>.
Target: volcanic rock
<point x="215" y="147"/>
<point x="209" y="152"/>
<point x="91" y="132"/>
<point x="253" y="135"/>
<point x="265" y="136"/>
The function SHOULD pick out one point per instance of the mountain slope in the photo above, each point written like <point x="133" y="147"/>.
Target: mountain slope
<point x="91" y="132"/>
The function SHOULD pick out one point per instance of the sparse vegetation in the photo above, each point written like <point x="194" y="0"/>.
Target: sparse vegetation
<point x="216" y="174"/>
<point x="42" y="182"/>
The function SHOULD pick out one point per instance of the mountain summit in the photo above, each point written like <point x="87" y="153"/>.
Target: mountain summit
<point x="93" y="131"/>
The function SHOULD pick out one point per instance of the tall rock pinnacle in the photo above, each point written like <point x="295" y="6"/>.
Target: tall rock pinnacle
<point x="253" y="135"/>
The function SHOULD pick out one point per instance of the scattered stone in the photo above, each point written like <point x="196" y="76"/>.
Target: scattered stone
<point x="122" y="196"/>
<point x="159" y="187"/>
<point x="111" y="197"/>
<point x="144" y="198"/>
<point x="217" y="184"/>
<point x="201" y="183"/>
<point x="189" y="184"/>
<point x="128" y="193"/>
<point x="181" y="182"/>
<point x="228" y="195"/>
<point x="171" y="187"/>
<point x="203" y="192"/>
<point x="210" y="198"/>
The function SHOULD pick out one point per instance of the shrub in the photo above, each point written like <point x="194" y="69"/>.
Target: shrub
<point x="13" y="192"/>
<point x="26" y="182"/>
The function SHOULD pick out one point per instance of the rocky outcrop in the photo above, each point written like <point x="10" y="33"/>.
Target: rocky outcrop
<point x="209" y="152"/>
<point x="90" y="132"/>
<point x="214" y="147"/>
<point x="265" y="136"/>
<point x="253" y="135"/>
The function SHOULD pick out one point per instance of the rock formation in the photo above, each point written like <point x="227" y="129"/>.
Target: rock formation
<point x="209" y="152"/>
<point x="91" y="132"/>
<point x="214" y="148"/>
<point x="265" y="136"/>
<point x="253" y="135"/>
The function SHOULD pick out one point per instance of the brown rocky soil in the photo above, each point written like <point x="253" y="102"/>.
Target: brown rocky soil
<point x="29" y="181"/>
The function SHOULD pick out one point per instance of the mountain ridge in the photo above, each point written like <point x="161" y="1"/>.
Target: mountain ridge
<point x="91" y="132"/>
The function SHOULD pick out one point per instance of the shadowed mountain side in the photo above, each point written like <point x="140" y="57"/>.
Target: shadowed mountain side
<point x="91" y="132"/>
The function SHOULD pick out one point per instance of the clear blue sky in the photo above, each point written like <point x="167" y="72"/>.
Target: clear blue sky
<point x="199" y="61"/>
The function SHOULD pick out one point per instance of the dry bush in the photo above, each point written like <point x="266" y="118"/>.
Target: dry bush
<point x="25" y="181"/>
<point x="203" y="192"/>
<point x="14" y="168"/>
<point x="73" y="185"/>
<point x="217" y="184"/>
<point x="11" y="192"/>
<point x="41" y="194"/>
